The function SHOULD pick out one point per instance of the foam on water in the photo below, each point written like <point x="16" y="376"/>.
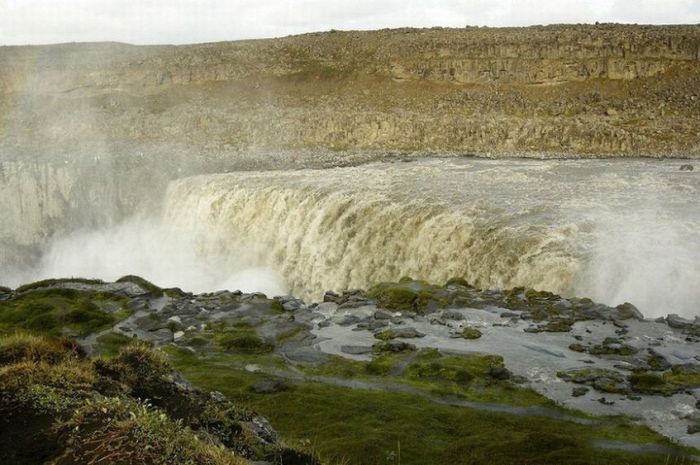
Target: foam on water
<point x="623" y="230"/>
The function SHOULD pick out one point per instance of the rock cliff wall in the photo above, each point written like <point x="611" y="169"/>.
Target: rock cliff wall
<point x="584" y="90"/>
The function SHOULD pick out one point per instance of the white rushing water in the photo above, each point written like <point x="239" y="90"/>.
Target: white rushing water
<point x="613" y="230"/>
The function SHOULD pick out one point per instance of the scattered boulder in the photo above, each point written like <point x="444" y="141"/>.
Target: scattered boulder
<point x="453" y="315"/>
<point x="356" y="350"/>
<point x="383" y="315"/>
<point x="628" y="311"/>
<point x="331" y="296"/>
<point x="579" y="391"/>
<point x="613" y="346"/>
<point x="678" y="322"/>
<point x="470" y="333"/>
<point x="601" y="379"/>
<point x="399" y="333"/>
<point x="393" y="346"/>
<point x="686" y="167"/>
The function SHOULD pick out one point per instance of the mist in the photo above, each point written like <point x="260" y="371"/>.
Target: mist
<point x="147" y="248"/>
<point x="646" y="257"/>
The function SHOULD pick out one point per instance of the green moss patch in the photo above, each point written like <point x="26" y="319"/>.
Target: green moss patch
<point x="242" y="339"/>
<point x="355" y="426"/>
<point x="410" y="295"/>
<point x="52" y="311"/>
<point x="470" y="333"/>
<point x="52" y="282"/>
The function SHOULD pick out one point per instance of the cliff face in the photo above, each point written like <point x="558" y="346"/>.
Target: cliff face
<point x="585" y="90"/>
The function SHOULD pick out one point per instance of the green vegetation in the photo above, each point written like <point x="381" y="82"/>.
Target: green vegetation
<point x="360" y="426"/>
<point x="470" y="333"/>
<point x="457" y="282"/>
<point x="678" y="379"/>
<point x="125" y="431"/>
<point x="616" y="349"/>
<point x="109" y="344"/>
<point x="410" y="295"/>
<point x="241" y="339"/>
<point x="61" y="407"/>
<point x="52" y="311"/>
<point x="52" y="282"/>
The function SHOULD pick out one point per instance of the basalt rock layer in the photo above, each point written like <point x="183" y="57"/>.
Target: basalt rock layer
<point x="584" y="90"/>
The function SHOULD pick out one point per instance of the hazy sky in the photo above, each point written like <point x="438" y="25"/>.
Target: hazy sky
<point x="187" y="21"/>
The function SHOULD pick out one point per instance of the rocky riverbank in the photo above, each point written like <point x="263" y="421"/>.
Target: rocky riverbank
<point x="520" y="352"/>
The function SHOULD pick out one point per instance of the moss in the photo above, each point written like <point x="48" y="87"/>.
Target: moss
<point x="52" y="282"/>
<point x="428" y="432"/>
<point x="50" y="311"/>
<point x="532" y="294"/>
<point x="197" y="341"/>
<point x="386" y="335"/>
<point x="383" y="347"/>
<point x="148" y="286"/>
<point x="27" y="347"/>
<point x="685" y="377"/>
<point x="578" y="347"/>
<point x="394" y="297"/>
<point x="617" y="349"/>
<point x="110" y="344"/>
<point x="453" y="368"/>
<point x="600" y="378"/>
<point x="64" y="409"/>
<point x="651" y="383"/>
<point x="276" y="307"/>
<point x="117" y="430"/>
<point x="242" y="340"/>
<point x="457" y="282"/>
<point x="558" y="326"/>
<point x="427" y="299"/>
<point x="470" y="333"/>
<point x="413" y="295"/>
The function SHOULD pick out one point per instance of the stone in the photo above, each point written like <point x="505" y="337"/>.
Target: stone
<point x="399" y="333"/>
<point x="292" y="305"/>
<point x="383" y="315"/>
<point x="356" y="350"/>
<point x="510" y="315"/>
<point x="579" y="391"/>
<point x="347" y="320"/>
<point x="377" y="324"/>
<point x="178" y="335"/>
<point x="686" y="167"/>
<point x="331" y="296"/>
<point x="678" y="322"/>
<point x="628" y="311"/>
<point x="393" y="346"/>
<point x="453" y="315"/>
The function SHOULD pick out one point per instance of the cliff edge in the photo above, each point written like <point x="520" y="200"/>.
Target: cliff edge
<point x="563" y="90"/>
